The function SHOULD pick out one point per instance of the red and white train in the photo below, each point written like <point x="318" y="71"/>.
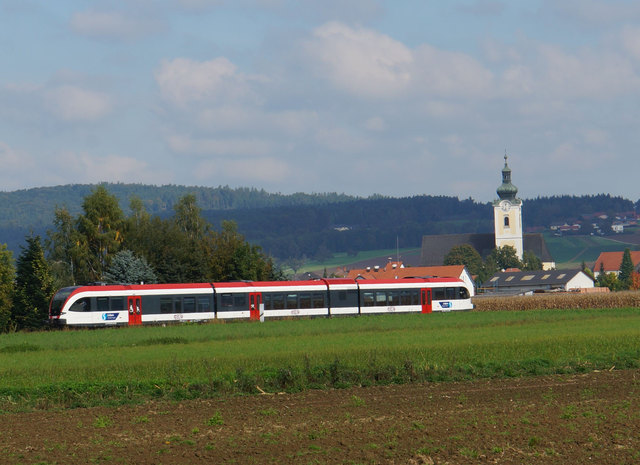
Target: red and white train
<point x="106" y="305"/>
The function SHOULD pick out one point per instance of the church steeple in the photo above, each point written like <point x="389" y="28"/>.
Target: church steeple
<point x="507" y="213"/>
<point x="507" y="191"/>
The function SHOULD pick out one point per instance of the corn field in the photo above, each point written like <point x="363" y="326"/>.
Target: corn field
<point x="558" y="301"/>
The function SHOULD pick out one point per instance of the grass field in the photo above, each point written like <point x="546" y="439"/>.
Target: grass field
<point x="120" y="365"/>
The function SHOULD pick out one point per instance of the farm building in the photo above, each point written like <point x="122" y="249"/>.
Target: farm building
<point x="611" y="261"/>
<point x="396" y="270"/>
<point x="523" y="282"/>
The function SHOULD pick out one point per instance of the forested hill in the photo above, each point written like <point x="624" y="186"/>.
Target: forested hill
<point x="300" y="224"/>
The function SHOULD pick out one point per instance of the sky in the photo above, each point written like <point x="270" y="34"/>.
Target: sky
<point x="362" y="97"/>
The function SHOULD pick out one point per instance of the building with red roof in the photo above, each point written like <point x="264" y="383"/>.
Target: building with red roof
<point x="611" y="261"/>
<point x="396" y="270"/>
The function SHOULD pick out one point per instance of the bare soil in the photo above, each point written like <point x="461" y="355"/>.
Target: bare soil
<point x="576" y="419"/>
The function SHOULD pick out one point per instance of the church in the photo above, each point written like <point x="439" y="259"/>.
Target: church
<point x="507" y="215"/>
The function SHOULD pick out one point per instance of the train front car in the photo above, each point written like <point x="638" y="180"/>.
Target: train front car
<point x="113" y="305"/>
<point x="90" y="306"/>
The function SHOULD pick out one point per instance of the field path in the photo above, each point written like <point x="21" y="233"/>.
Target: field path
<point x="593" y="417"/>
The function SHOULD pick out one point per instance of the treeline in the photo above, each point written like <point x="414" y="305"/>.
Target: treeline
<point x="102" y="244"/>
<point x="297" y="225"/>
<point x="352" y="226"/>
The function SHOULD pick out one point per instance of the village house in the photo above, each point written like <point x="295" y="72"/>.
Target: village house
<point x="396" y="270"/>
<point x="527" y="282"/>
<point x="610" y="262"/>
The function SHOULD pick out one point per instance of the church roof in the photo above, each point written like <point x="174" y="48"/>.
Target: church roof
<point x="435" y="247"/>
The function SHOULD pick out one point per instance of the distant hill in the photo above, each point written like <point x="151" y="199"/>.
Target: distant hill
<point x="296" y="225"/>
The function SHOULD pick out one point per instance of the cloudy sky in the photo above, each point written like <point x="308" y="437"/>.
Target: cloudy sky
<point x="398" y="97"/>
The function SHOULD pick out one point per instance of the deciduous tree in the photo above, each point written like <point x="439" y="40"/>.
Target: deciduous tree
<point x="100" y="227"/>
<point x="466" y="255"/>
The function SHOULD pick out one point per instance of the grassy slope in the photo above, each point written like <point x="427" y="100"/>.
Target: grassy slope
<point x="71" y="368"/>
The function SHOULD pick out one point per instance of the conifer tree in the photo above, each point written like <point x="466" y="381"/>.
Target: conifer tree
<point x="7" y="275"/>
<point x="34" y="286"/>
<point x="126" y="268"/>
<point x="626" y="269"/>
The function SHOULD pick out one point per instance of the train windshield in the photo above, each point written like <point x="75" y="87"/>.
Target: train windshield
<point x="59" y="299"/>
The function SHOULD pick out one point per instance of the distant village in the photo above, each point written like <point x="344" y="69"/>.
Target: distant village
<point x="509" y="232"/>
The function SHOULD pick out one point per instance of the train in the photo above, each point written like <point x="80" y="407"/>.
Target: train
<point x="136" y="304"/>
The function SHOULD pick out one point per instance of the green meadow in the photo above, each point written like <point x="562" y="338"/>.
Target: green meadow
<point x="75" y="368"/>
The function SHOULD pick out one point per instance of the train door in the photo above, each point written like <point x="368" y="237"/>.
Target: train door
<point x="425" y="298"/>
<point x="134" y="304"/>
<point x="255" y="299"/>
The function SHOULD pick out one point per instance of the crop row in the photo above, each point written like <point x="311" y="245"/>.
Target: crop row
<point x="563" y="301"/>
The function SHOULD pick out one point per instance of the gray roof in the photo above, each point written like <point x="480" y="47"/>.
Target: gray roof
<point x="435" y="247"/>
<point x="539" y="279"/>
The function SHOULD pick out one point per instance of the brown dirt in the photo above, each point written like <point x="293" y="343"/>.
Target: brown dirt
<point x="590" y="418"/>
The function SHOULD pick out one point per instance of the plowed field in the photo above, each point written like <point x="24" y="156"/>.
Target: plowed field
<point x="577" y="419"/>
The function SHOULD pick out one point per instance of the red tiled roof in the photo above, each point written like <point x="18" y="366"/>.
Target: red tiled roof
<point x="613" y="260"/>
<point x="389" y="272"/>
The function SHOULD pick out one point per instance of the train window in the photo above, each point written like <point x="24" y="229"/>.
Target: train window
<point x="177" y="305"/>
<point x="166" y="305"/>
<point x="266" y="300"/>
<point x="189" y="304"/>
<point x="81" y="305"/>
<point x="226" y="301"/>
<point x="451" y="293"/>
<point x="342" y="295"/>
<point x="318" y="300"/>
<point x="204" y="304"/>
<point x="305" y="300"/>
<point x="463" y="293"/>
<point x="438" y="293"/>
<point x="292" y="301"/>
<point x="278" y="301"/>
<point x="405" y="297"/>
<point x="381" y="299"/>
<point x="394" y="298"/>
<point x="415" y="297"/>
<point x="367" y="299"/>
<point x="117" y="304"/>
<point x="102" y="304"/>
<point x="240" y="302"/>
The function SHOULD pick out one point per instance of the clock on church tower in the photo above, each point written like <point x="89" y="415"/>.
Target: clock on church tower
<point x="507" y="213"/>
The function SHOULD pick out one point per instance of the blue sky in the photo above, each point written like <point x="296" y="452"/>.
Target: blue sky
<point x="357" y="96"/>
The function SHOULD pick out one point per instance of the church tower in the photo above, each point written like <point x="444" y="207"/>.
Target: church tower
<point x="507" y="214"/>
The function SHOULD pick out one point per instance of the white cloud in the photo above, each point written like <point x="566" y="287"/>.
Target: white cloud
<point x="360" y="61"/>
<point x="453" y="74"/>
<point x="115" y="24"/>
<point x="183" y="81"/>
<point x="72" y="103"/>
<point x="367" y="63"/>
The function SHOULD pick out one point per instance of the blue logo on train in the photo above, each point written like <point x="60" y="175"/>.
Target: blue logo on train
<point x="109" y="316"/>
<point x="445" y="304"/>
